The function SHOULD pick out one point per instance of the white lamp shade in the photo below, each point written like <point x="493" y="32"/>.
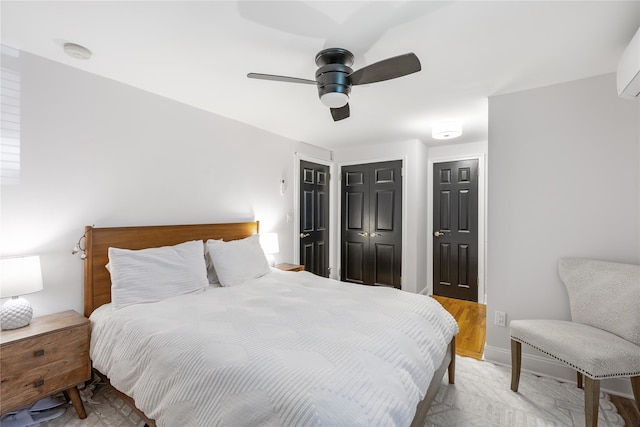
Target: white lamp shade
<point x="269" y="243"/>
<point x="20" y="276"/>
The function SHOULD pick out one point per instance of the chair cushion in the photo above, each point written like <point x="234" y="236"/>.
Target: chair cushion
<point x="591" y="351"/>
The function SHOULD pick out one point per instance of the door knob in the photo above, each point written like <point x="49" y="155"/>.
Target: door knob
<point x="438" y="233"/>
<point x="303" y="235"/>
<point x="376" y="234"/>
<point x="365" y="234"/>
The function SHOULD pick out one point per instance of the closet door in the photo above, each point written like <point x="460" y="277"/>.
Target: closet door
<point x="372" y="224"/>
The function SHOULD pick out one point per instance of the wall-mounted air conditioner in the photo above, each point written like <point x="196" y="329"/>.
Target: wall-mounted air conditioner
<point x="628" y="78"/>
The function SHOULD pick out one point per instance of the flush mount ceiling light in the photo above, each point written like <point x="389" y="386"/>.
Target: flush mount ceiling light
<point x="447" y="129"/>
<point x="76" y="51"/>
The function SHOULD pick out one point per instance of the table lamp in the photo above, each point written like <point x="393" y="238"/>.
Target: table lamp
<point x="19" y="276"/>
<point x="269" y="243"/>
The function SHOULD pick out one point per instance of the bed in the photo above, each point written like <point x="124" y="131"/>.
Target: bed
<point x="285" y="348"/>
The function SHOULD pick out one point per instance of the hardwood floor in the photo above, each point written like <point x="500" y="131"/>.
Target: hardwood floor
<point x="472" y="318"/>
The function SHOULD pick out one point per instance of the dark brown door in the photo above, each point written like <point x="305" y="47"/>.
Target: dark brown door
<point x="372" y="224"/>
<point x="314" y="218"/>
<point x="455" y="226"/>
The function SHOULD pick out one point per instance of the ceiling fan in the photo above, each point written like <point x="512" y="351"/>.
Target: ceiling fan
<point x="334" y="76"/>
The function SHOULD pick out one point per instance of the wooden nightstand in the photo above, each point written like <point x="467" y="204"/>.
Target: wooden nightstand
<point x="46" y="357"/>
<point x="290" y="267"/>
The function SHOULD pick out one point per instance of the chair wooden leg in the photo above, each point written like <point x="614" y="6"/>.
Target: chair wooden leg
<point x="591" y="401"/>
<point x="452" y="364"/>
<point x="516" y="359"/>
<point x="579" y="379"/>
<point x="635" y="386"/>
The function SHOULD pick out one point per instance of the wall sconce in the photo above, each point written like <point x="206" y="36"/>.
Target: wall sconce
<point x="269" y="243"/>
<point x="79" y="247"/>
<point x="20" y="276"/>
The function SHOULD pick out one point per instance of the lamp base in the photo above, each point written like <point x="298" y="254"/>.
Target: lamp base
<point x="15" y="313"/>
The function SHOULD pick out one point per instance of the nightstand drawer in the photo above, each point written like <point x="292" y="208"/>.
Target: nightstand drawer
<point x="48" y="356"/>
<point x="44" y="349"/>
<point x="37" y="383"/>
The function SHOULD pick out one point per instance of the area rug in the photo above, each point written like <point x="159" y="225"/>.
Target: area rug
<point x="481" y="397"/>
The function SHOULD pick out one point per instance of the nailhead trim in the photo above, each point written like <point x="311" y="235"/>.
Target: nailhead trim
<point x="595" y="377"/>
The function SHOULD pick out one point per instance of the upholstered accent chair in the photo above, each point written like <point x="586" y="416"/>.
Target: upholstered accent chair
<point x="602" y="340"/>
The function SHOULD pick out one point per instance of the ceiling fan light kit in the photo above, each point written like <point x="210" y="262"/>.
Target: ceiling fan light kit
<point x="447" y="129"/>
<point x="334" y="99"/>
<point x="335" y="77"/>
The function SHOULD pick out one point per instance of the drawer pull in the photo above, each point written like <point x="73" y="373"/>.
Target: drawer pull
<point x="39" y="383"/>
<point x="38" y="353"/>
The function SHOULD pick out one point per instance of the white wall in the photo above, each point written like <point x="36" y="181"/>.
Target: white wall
<point x="98" y="152"/>
<point x="414" y="155"/>
<point x="564" y="180"/>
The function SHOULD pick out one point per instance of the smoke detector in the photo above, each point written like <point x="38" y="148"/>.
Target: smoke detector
<point x="76" y="51"/>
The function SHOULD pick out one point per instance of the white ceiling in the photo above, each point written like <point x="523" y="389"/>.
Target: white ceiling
<point x="199" y="53"/>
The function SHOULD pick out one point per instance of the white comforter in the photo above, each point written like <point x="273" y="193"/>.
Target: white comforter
<point x="285" y="349"/>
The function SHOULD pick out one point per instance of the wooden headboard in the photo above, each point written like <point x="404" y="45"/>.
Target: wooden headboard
<point x="97" y="283"/>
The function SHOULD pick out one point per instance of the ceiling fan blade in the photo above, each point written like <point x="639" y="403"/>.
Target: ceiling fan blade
<point x="340" y="113"/>
<point x="386" y="69"/>
<point x="281" y="78"/>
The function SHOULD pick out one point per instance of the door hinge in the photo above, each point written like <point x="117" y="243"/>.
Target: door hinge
<point x="402" y="171"/>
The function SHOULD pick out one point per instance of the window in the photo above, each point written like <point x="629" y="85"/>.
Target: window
<point x="9" y="118"/>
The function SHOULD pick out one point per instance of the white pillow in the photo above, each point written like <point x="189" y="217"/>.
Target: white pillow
<point x="154" y="274"/>
<point x="238" y="260"/>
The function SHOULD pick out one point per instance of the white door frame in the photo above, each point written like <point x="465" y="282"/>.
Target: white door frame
<point x="296" y="210"/>
<point x="482" y="220"/>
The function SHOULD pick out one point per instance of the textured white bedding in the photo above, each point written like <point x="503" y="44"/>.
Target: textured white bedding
<point x="285" y="349"/>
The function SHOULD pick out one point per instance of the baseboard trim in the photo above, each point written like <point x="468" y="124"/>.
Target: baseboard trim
<point x="542" y="365"/>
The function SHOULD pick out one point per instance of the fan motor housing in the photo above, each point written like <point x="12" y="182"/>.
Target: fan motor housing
<point x="333" y="78"/>
<point x="334" y="55"/>
<point x="334" y="71"/>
